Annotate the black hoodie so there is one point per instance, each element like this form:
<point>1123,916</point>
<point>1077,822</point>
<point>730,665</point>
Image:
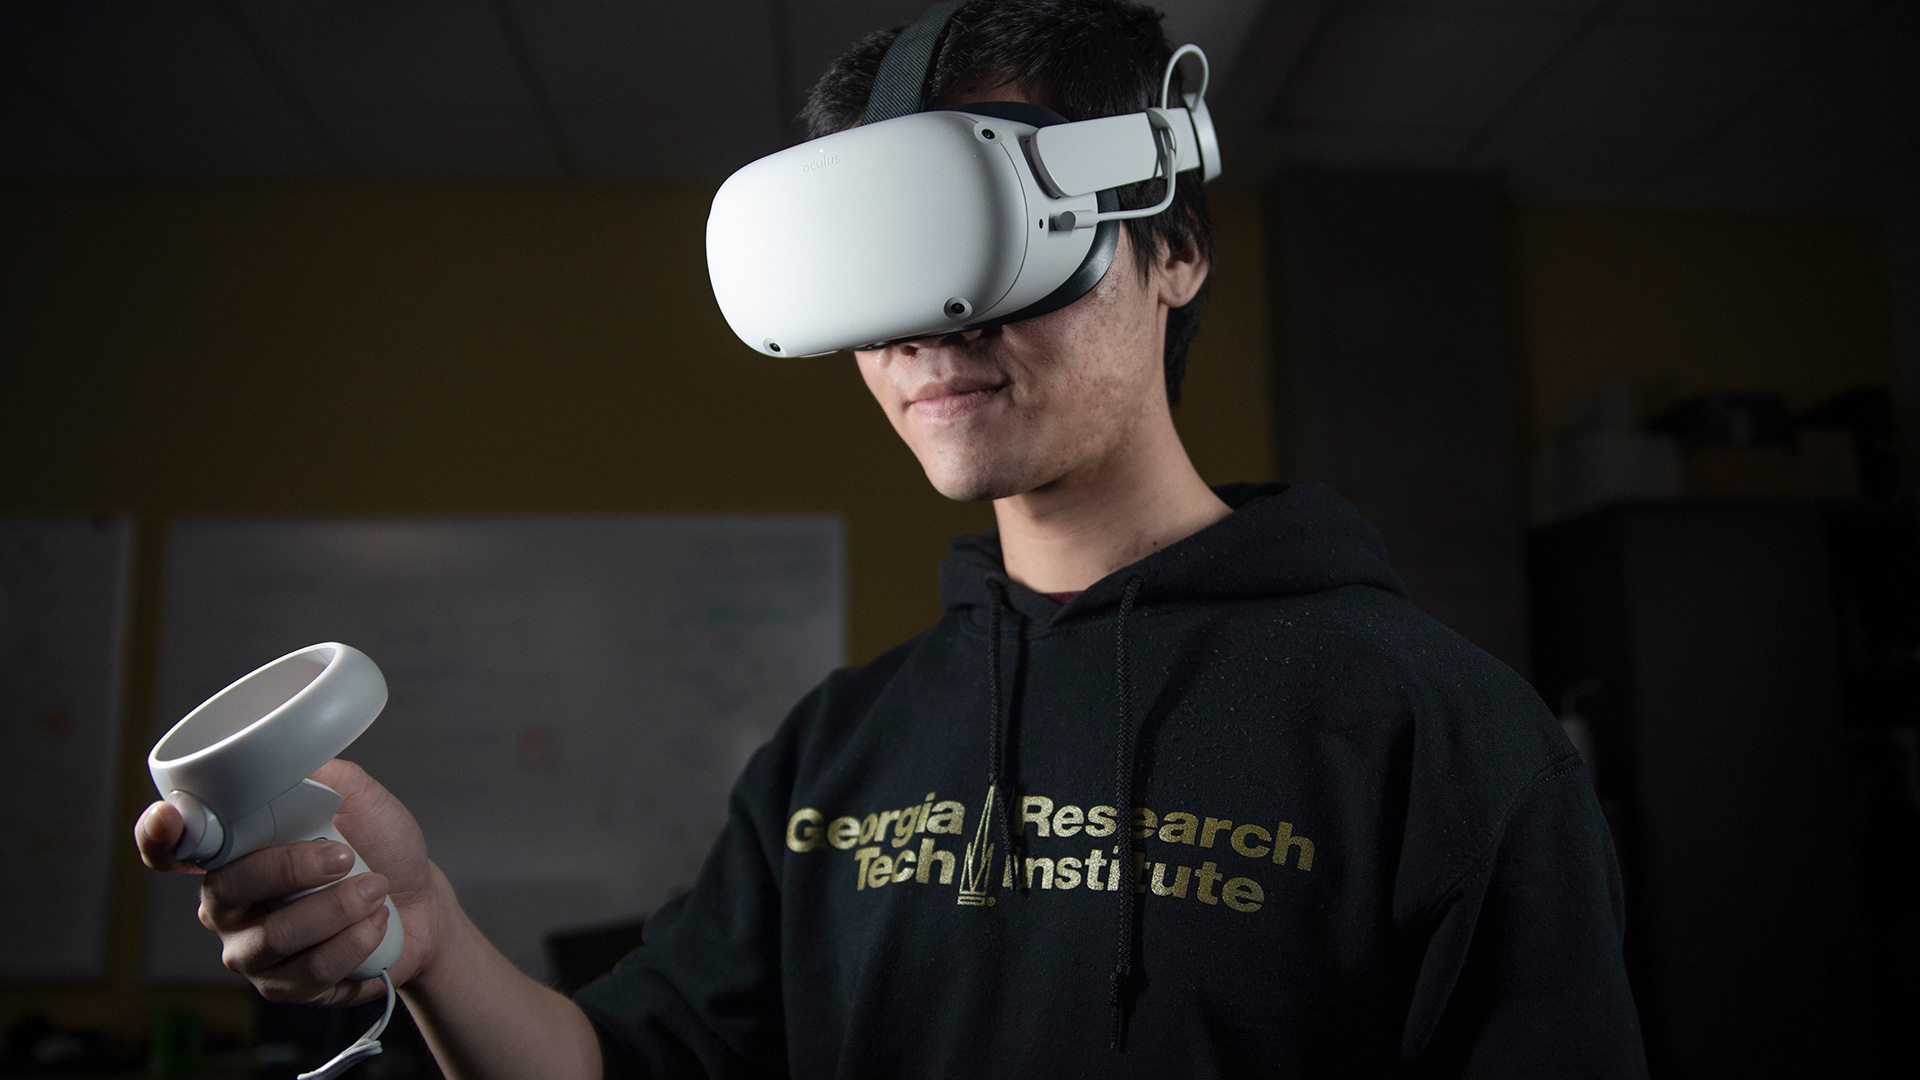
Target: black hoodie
<point>1360,845</point>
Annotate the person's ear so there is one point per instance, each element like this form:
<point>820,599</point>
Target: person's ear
<point>1182,268</point>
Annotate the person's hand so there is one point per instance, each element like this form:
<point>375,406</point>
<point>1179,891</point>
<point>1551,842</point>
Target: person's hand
<point>303,952</point>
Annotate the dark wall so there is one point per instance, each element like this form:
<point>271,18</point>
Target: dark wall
<point>1394,379</point>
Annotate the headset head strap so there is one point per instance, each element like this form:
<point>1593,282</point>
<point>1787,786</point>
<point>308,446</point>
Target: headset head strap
<point>900,85</point>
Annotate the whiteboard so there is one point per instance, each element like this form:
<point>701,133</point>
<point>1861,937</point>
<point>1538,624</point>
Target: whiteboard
<point>571,698</point>
<point>63,598</point>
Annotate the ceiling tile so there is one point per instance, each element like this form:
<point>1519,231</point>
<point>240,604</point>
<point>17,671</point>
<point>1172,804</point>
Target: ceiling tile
<point>1478,8</point>
<point>169,85</point>
<point>1863,85</point>
<point>674,92</point>
<point>1390,66</point>
<point>1219,27</point>
<point>1379,145</point>
<point>39,142</point>
<point>1628,100</point>
<point>1749,180</point>
<point>1888,188</point>
<point>1851,107</point>
<point>1895,15</point>
<point>1775,13</point>
<point>410,88</point>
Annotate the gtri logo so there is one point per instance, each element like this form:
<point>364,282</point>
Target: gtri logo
<point>1172,841</point>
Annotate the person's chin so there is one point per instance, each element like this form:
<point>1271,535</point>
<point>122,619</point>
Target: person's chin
<point>968,478</point>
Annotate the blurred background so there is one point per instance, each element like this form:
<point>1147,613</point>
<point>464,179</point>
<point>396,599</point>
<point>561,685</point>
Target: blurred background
<point>388,321</point>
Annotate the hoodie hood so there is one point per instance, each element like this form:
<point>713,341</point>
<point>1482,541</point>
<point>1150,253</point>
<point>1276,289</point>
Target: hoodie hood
<point>1280,540</point>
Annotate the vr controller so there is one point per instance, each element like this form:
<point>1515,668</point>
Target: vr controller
<point>237,767</point>
<point>941,221</point>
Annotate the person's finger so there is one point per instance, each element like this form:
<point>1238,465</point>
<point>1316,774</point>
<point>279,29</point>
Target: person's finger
<point>316,974</point>
<point>229,893</point>
<point>156,834</point>
<point>378,826</point>
<point>305,923</point>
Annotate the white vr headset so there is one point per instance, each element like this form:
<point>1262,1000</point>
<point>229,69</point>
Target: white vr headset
<point>920,223</point>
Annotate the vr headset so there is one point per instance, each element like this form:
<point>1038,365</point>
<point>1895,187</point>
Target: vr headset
<point>920,223</point>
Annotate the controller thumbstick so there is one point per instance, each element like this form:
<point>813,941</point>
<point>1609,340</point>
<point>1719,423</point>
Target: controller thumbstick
<point>204,834</point>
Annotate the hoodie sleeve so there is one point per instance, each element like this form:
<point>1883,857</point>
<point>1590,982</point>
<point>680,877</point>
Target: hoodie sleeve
<point>1522,975</point>
<point>703,996</point>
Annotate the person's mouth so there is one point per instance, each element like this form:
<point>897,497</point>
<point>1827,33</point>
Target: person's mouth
<point>950,398</point>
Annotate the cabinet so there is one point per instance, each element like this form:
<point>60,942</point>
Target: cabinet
<point>1700,646</point>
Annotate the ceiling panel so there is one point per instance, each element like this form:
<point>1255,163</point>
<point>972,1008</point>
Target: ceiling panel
<point>1777,13</point>
<point>1526,9</point>
<point>1894,15</point>
<point>168,86</point>
<point>1383,66</point>
<point>1744,179</point>
<point>661,92</point>
<point>1863,87</point>
<point>1891,187</point>
<point>39,140</point>
<point>1370,145</point>
<point>1219,27</point>
<point>1633,96</point>
<point>410,88</point>
<point>1852,107</point>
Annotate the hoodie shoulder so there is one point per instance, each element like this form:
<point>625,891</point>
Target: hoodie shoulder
<point>1475,736</point>
<point>1448,670</point>
<point>1443,681</point>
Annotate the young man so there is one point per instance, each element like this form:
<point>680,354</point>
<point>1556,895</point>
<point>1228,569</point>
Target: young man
<point>1180,785</point>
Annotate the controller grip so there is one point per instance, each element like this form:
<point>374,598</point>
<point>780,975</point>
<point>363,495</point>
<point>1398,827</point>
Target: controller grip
<point>387,953</point>
<point>319,802</point>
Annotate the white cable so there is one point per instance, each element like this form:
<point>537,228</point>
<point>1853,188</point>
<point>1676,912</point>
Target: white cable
<point>1189,95</point>
<point>363,1048</point>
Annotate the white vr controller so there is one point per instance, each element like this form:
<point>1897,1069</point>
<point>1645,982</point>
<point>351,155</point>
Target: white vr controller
<point>237,767</point>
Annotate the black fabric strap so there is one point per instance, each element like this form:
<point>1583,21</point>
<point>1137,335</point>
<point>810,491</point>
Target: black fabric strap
<point>902,79</point>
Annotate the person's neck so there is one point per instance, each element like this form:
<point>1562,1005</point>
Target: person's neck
<point>1068,534</point>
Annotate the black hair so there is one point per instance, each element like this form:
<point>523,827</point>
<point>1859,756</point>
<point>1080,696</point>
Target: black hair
<point>1085,58</point>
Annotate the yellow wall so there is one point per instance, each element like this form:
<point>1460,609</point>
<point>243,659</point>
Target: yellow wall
<point>1683,304</point>
<point>458,350</point>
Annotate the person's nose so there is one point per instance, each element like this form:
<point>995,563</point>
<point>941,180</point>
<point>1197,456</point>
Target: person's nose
<point>909,348</point>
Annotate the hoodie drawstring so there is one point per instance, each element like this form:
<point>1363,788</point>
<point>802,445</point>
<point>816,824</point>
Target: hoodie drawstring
<point>1123,805</point>
<point>1129,913</point>
<point>996,737</point>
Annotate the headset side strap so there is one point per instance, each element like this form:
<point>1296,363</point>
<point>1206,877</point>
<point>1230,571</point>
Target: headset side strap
<point>900,85</point>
